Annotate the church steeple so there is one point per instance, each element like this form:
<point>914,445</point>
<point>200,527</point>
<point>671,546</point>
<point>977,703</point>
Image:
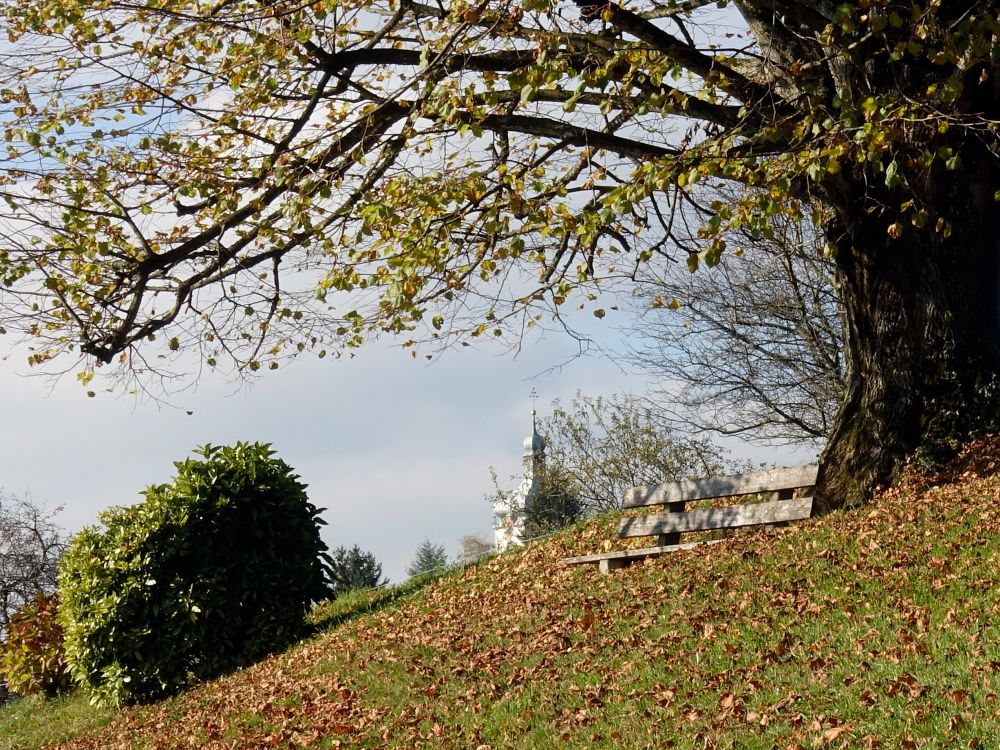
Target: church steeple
<point>534,444</point>
<point>509,517</point>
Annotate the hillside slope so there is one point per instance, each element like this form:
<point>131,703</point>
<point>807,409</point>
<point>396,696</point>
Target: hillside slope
<point>873,628</point>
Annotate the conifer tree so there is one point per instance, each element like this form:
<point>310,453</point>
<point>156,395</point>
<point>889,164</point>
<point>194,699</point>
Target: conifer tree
<point>352,569</point>
<point>429,558</point>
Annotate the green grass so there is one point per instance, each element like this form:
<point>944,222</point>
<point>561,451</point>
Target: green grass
<point>353,604</point>
<point>34,721</point>
<point>878,628</point>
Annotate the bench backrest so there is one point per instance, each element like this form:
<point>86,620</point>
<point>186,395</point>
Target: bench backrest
<point>675,494</point>
<point>687,490</point>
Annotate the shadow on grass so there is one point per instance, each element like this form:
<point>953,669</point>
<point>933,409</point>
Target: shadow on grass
<point>353,604</point>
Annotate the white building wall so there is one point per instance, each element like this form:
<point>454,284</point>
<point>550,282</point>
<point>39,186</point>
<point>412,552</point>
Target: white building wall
<point>508,515</point>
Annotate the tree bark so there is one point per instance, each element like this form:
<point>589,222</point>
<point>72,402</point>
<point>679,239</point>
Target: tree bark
<point>923,325</point>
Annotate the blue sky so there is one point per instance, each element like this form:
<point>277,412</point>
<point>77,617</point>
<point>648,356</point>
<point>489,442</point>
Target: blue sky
<point>396,449</point>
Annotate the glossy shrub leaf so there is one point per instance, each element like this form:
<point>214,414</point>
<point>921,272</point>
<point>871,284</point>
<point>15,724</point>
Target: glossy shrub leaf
<point>208,573</point>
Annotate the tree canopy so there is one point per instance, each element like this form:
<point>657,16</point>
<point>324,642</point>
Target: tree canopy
<point>249,180</point>
<point>598,448</point>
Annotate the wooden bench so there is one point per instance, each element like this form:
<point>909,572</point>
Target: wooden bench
<point>669,526</point>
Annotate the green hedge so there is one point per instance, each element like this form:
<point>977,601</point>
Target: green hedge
<point>208,573</point>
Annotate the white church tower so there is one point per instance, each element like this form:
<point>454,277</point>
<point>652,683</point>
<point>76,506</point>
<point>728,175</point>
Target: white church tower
<point>508,517</point>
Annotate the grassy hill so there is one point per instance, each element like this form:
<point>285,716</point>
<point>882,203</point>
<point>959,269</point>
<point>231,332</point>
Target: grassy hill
<point>876,628</point>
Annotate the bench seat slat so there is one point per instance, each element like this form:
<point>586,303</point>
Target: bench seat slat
<point>713,487</point>
<point>707,519</point>
<point>635,554</point>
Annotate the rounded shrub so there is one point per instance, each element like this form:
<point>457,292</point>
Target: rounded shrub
<point>209,573</point>
<point>31,656</point>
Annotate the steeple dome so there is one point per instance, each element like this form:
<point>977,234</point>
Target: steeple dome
<point>534,444</point>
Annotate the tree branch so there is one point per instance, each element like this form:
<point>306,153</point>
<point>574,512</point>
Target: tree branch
<point>575,135</point>
<point>691,58</point>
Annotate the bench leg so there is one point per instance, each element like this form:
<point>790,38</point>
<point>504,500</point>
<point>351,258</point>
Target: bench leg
<point>615,564</point>
<point>674,537</point>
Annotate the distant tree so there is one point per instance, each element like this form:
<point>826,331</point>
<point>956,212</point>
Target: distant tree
<point>352,569</point>
<point>752,347</point>
<point>556,505</point>
<point>31,544</point>
<point>474,546</point>
<point>597,448</point>
<point>429,557</point>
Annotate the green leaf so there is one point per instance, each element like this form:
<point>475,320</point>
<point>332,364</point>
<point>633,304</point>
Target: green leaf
<point>892,174</point>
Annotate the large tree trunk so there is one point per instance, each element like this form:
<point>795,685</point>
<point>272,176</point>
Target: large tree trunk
<point>923,326</point>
